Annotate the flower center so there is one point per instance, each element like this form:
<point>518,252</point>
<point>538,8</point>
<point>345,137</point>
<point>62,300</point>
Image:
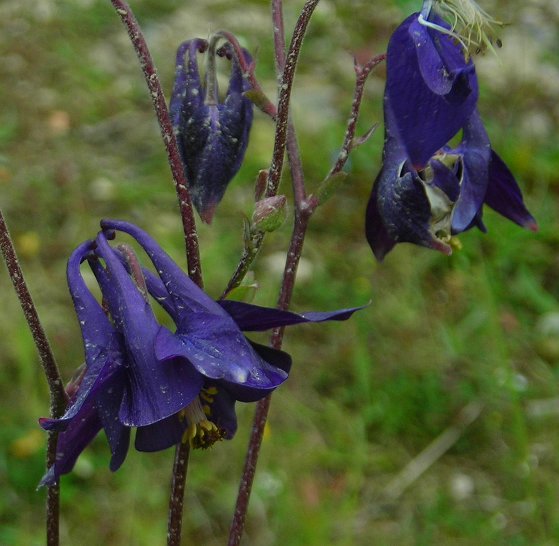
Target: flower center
<point>441,212</point>
<point>201,433</point>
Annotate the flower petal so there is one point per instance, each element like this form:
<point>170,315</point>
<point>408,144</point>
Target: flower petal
<point>379,239</point>
<point>94,324</point>
<point>188,93</point>
<point>159,390</point>
<point>254,318</point>
<point>432,89</point>
<point>476,151</point>
<point>183,291</point>
<point>504,196</point>
<point>118,435</point>
<point>160,435</point>
<point>102,346</point>
<point>222,410</point>
<point>155,391</point>
<point>103,374</point>
<point>220,354</point>
<point>445,179</point>
<point>71,442</point>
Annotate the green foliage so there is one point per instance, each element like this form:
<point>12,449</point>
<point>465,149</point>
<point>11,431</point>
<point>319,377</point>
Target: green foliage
<point>79,142</point>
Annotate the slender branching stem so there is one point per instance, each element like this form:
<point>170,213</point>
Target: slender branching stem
<point>263,406</point>
<point>58,398</point>
<point>180,464</point>
<point>247,479</point>
<point>53,496</point>
<point>293,155</point>
<point>169,138</point>
<point>248,256</point>
<point>361,75</point>
<point>279,34</point>
<point>284,96</point>
<point>285,137</point>
<point>283,132</point>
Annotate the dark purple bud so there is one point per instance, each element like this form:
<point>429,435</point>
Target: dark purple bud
<point>212,135</point>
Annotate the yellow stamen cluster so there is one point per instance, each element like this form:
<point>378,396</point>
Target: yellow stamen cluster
<point>201,433</point>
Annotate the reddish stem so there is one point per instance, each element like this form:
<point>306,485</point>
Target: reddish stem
<point>176,500</point>
<point>361,75</point>
<point>285,136</point>
<point>180,465</point>
<point>284,96</point>
<point>58,397</point>
<point>169,139</point>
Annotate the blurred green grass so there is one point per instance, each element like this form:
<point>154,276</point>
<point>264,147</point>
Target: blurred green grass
<point>78,141</point>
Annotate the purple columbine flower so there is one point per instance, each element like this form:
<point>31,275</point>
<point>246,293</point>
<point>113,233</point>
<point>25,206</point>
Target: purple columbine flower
<point>170,386</point>
<point>209,340</point>
<point>431,87</point>
<point>426,206</point>
<point>212,136</point>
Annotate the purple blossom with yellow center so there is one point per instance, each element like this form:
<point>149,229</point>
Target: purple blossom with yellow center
<point>428,190</point>
<point>171,386</point>
<point>427,206</point>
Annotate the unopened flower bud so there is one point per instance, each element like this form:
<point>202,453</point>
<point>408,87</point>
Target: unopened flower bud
<point>212,135</point>
<point>269,214</point>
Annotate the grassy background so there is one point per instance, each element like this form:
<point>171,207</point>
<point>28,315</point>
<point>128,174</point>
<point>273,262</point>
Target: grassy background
<point>479,330</point>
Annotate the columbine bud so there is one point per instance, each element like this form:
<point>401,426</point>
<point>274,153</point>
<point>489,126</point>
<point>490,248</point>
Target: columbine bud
<point>212,136</point>
<point>269,214</point>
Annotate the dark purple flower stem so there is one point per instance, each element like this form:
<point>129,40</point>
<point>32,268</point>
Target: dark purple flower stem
<point>285,137</point>
<point>180,464</point>
<point>263,406</point>
<point>293,155</point>
<point>58,398</point>
<point>284,96</point>
<point>176,500</point>
<point>169,139</point>
<point>304,209</point>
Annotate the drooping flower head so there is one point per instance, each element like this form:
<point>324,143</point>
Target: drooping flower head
<point>212,135</point>
<point>427,206</point>
<point>171,386</point>
<point>427,190</point>
<point>208,334</point>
